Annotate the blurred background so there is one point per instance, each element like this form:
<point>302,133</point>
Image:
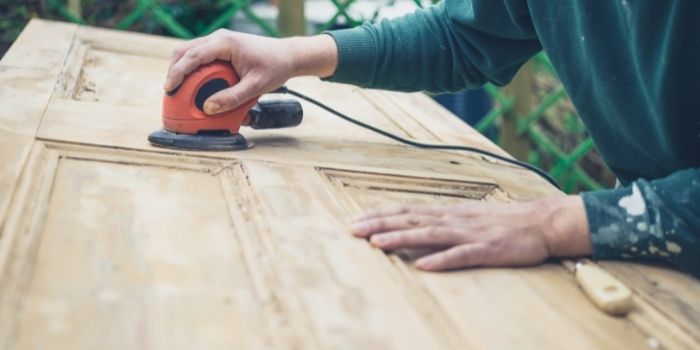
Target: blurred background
<point>532,118</point>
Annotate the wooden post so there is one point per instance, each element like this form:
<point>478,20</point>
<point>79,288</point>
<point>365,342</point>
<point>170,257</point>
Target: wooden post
<point>290,19</point>
<point>521,89</point>
<point>75,7</point>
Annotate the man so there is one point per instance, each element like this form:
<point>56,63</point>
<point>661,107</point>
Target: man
<point>631,67</point>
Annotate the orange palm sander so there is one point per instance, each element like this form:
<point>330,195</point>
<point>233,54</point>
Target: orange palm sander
<point>186,126</point>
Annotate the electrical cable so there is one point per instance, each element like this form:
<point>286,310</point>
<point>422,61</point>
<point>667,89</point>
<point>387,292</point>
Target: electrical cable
<point>417,144</point>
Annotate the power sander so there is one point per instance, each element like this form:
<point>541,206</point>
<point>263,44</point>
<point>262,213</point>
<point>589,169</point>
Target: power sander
<point>186,126</point>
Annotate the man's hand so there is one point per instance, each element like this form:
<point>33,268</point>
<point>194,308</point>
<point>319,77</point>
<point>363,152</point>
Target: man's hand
<point>263,64</point>
<point>482,234</point>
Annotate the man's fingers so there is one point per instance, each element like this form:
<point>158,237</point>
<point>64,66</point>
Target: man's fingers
<point>467,255</point>
<point>228,99</point>
<point>176,56</point>
<point>180,51</point>
<point>368,227</point>
<point>421,210</point>
<point>204,53</point>
<point>424,237</point>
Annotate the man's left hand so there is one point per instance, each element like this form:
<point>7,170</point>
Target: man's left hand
<point>482,234</point>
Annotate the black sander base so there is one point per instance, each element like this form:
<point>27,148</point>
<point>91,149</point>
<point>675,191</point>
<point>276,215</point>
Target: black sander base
<point>204,141</point>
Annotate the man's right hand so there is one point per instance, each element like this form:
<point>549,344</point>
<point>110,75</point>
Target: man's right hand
<point>263,63</point>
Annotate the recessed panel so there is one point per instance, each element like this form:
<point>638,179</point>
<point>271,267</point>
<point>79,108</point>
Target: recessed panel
<point>138,256</point>
<point>370,190</point>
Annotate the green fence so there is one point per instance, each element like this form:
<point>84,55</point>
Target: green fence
<point>550,128</point>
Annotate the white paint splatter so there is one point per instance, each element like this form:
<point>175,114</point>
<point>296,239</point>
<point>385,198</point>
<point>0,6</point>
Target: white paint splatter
<point>673,247</point>
<point>653,249</point>
<point>655,230</point>
<point>609,234</point>
<point>634,203</point>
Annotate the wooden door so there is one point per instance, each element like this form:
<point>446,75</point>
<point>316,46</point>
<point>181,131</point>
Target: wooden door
<point>109,243</point>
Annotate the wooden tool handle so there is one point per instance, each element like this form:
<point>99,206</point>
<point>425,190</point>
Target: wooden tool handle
<point>609,294</point>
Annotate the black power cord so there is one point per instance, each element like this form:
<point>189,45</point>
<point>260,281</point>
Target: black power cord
<point>398,138</point>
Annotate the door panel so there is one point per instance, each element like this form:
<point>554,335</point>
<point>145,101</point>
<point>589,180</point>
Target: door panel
<point>320,272</point>
<point>144,245</point>
<point>149,250</point>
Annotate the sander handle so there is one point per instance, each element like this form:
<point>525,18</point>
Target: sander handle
<point>276,114</point>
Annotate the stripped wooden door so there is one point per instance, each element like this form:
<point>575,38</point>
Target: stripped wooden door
<point>109,243</point>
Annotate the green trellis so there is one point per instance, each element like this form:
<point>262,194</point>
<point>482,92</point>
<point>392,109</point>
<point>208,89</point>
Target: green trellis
<point>547,152</point>
<point>164,18</point>
<point>564,167</point>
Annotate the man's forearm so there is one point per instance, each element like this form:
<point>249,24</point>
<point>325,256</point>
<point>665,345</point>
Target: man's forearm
<point>316,55</point>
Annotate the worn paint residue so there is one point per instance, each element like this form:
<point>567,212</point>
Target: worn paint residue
<point>634,203</point>
<point>673,247</point>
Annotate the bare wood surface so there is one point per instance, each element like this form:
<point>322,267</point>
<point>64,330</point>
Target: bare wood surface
<point>108,242</point>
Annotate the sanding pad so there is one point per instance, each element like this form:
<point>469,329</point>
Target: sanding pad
<point>209,141</point>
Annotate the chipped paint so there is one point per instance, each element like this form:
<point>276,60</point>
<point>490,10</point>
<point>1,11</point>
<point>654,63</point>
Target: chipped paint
<point>653,249</point>
<point>609,234</point>
<point>673,247</point>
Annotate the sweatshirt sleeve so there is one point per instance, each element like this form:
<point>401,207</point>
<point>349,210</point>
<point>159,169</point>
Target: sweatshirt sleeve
<point>454,45</point>
<point>657,220</point>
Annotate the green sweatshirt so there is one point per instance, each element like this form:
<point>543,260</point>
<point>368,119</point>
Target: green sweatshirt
<point>631,68</point>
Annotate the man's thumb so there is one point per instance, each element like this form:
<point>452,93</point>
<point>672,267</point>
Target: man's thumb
<point>232,97</point>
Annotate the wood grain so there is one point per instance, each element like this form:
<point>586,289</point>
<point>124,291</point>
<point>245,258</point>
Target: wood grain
<point>126,254</point>
<point>42,45</point>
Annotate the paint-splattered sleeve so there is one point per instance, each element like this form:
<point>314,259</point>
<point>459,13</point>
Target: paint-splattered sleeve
<point>657,219</point>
